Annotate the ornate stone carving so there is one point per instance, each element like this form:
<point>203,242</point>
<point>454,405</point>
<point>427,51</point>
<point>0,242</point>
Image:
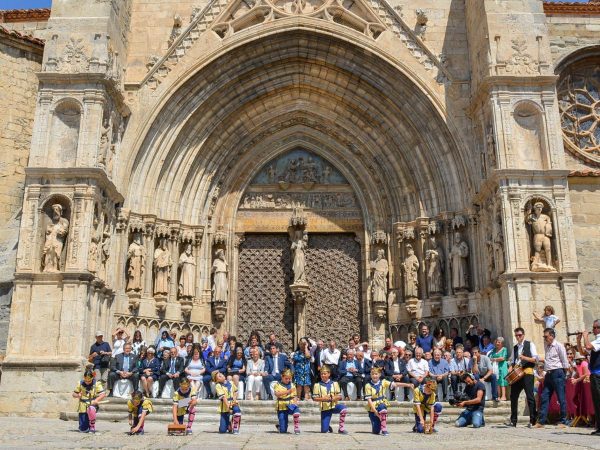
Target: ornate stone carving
<point>104,251</point>
<point>220,288</point>
<point>176,30</point>
<point>434,257</point>
<point>105,142</point>
<point>94,252</point>
<point>379,288</point>
<point>410,267</point>
<point>299,245</point>
<point>491,149</point>
<point>56,233</point>
<point>162,265</point>
<point>122,218</point>
<point>541,232</point>
<point>136,256</point>
<point>459,263</point>
<point>379,237</point>
<point>187,277</point>
<point>220,237</point>
<point>520,62</point>
<point>421,26</point>
<point>458,222</point>
<point>74,57</point>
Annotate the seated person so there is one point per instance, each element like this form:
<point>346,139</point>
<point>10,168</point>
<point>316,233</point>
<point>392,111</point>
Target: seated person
<point>473,413</point>
<point>124,367</point>
<point>351,373</point>
<point>418,368</point>
<point>214,363</point>
<point>458,366</point>
<point>481,366</point>
<point>395,372</point>
<point>439,370</point>
<point>172,369</point>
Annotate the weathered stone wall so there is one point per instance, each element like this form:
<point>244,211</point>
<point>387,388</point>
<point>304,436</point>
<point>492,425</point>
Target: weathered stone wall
<point>18,89</point>
<point>585,201</point>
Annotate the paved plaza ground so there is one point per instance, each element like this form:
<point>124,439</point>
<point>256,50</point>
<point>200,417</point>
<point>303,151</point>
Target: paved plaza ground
<point>17,433</point>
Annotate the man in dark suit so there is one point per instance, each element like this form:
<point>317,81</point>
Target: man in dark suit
<point>316,365</point>
<point>395,371</point>
<point>214,362</point>
<point>124,367</point>
<point>352,371</point>
<point>171,369</point>
<point>275,363</point>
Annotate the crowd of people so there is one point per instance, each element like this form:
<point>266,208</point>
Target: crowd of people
<point>228,370</point>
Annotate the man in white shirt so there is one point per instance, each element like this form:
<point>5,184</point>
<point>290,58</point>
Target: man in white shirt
<point>418,368</point>
<point>524,355</point>
<point>331,357</point>
<point>212,338</point>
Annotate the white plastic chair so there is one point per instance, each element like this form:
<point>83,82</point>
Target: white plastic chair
<point>122,388</point>
<point>168,390</point>
<point>351,391</point>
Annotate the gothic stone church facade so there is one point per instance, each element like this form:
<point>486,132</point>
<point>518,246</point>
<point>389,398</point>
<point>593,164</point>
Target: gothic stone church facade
<point>311,168</point>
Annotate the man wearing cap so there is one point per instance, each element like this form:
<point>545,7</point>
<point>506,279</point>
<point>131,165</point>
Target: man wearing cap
<point>100,353</point>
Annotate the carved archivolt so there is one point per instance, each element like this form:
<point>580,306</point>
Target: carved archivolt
<point>244,14</point>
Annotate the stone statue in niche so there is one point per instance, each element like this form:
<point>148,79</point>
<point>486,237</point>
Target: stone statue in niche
<point>105,251</point>
<point>541,230</point>
<point>271,174</point>
<point>94,252</point>
<point>56,233</point>
<point>136,255</point>
<point>299,261</point>
<point>105,141</point>
<point>379,269</point>
<point>491,149</point>
<point>162,268</point>
<point>187,279</point>
<point>410,267</point>
<point>326,174</point>
<point>219,270</point>
<point>435,269</point>
<point>459,263</point>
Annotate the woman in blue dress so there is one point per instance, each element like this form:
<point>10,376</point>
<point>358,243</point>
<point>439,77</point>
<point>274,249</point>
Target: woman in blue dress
<point>236,368</point>
<point>301,359</point>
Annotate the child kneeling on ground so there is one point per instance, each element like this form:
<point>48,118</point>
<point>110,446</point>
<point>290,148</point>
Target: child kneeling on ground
<point>139,408</point>
<point>90,393</point>
<point>228,405</point>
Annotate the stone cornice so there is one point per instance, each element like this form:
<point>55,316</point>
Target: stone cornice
<point>585,173</point>
<point>76,173</point>
<point>572,8</point>
<point>25,15</point>
<point>25,41</point>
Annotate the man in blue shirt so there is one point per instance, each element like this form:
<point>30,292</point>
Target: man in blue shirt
<point>473,412</point>
<point>425,340</point>
<point>439,370</point>
<point>100,354</point>
<point>351,373</point>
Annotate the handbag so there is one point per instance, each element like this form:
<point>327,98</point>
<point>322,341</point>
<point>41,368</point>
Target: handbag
<point>495,368</point>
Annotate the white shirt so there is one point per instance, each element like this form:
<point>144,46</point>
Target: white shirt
<point>182,351</point>
<point>418,368</point>
<point>397,366</point>
<point>276,363</point>
<point>596,343</point>
<point>531,348</point>
<point>212,342</point>
<point>330,357</point>
<point>118,347</point>
<point>137,346</point>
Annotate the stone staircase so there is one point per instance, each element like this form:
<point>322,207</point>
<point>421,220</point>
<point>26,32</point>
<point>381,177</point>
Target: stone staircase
<point>263,412</point>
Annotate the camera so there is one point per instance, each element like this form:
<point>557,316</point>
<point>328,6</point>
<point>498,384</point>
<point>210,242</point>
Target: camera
<point>460,397</point>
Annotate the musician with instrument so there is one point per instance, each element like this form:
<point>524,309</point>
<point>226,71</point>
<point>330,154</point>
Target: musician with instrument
<point>231,414</point>
<point>286,402</point>
<point>90,393</point>
<point>592,348</point>
<point>520,377</point>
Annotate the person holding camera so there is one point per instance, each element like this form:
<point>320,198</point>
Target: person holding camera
<point>473,400</point>
<point>592,348</point>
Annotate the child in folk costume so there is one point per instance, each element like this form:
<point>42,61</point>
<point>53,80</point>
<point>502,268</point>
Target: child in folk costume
<point>139,408</point>
<point>328,394</point>
<point>286,402</point>
<point>228,405</point>
<point>184,402</point>
<point>423,402</point>
<point>90,393</point>
<point>376,392</point>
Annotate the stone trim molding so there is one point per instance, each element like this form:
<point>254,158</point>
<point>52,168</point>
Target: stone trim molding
<point>24,15</point>
<point>572,8</point>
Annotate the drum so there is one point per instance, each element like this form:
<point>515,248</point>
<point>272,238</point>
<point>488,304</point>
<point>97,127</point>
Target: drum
<point>515,375</point>
<point>427,428</point>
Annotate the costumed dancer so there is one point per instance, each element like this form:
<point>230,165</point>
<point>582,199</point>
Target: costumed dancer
<point>184,402</point>
<point>376,392</point>
<point>90,393</point>
<point>424,399</point>
<point>286,402</point>
<point>228,405</point>
<point>328,394</point>
<point>139,408</point>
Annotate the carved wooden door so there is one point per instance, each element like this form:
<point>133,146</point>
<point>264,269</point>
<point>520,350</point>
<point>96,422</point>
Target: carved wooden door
<point>333,308</point>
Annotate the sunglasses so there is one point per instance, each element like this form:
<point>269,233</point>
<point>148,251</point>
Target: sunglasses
<point>519,335</point>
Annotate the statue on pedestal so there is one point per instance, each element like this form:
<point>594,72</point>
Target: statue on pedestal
<point>187,279</point>
<point>459,263</point>
<point>299,259</point>
<point>541,229</point>
<point>105,251</point>
<point>410,266</point>
<point>162,268</point>
<point>219,270</point>
<point>379,269</point>
<point>435,271</point>
<point>136,255</point>
<point>56,233</point>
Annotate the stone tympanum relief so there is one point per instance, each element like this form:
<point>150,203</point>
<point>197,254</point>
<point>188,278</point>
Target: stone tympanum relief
<point>162,268</point>
<point>410,267</point>
<point>187,277</point>
<point>459,263</point>
<point>540,226</point>
<point>434,257</point>
<point>220,291</point>
<point>56,234</point>
<point>136,264</point>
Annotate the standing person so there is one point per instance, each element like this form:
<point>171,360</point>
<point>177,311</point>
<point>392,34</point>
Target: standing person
<point>100,354</point>
<point>316,364</point>
<point>90,393</point>
<point>555,365</point>
<point>273,340</point>
<point>184,402</point>
<point>475,406</point>
<point>592,348</point>
<point>524,355</point>
<point>229,409</point>
<point>499,356</point>
<point>425,402</point>
<point>139,408</point>
<point>376,392</point>
<point>456,339</point>
<point>120,337</point>
<point>286,402</point>
<point>549,319</point>
<point>327,393</point>
<point>425,340</point>
<point>212,338</point>
<point>182,348</point>
<point>137,342</point>
<point>164,341</point>
<point>331,357</point>
<point>302,360</point>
